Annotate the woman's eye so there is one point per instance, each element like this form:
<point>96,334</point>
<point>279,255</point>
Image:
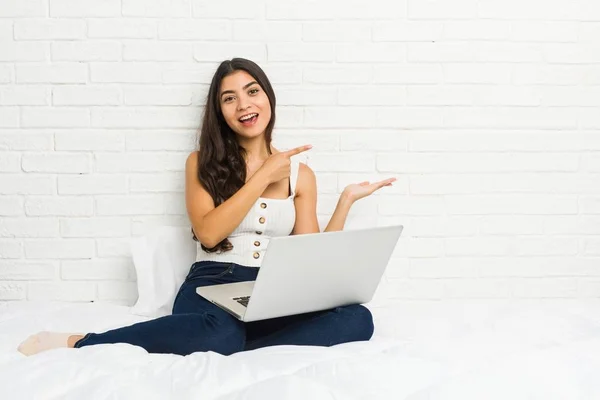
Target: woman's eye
<point>252,91</point>
<point>226,99</point>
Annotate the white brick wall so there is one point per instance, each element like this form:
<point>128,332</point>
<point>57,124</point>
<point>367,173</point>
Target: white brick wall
<point>486,112</point>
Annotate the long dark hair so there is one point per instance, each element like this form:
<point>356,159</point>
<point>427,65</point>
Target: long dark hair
<point>221,165</point>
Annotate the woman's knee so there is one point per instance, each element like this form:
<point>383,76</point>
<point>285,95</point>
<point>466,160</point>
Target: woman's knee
<point>225,336</point>
<point>358,320</point>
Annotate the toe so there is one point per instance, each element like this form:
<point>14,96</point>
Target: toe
<point>30,345</point>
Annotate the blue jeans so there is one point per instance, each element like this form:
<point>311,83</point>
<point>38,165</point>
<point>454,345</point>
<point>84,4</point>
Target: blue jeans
<point>198,325</point>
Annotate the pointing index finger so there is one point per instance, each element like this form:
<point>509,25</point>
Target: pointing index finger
<point>298,150</point>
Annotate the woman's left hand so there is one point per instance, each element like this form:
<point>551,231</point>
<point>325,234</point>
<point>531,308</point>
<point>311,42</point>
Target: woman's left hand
<point>357,191</point>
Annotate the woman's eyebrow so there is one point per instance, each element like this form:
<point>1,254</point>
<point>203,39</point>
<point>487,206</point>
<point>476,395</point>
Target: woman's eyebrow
<point>246,86</point>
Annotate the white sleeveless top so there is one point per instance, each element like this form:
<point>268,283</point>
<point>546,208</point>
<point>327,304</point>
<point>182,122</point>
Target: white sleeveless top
<point>266,219</point>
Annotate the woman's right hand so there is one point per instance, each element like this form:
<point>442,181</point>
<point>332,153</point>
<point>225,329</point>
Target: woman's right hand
<point>278,165</point>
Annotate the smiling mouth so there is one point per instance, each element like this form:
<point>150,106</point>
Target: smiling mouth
<point>249,119</point>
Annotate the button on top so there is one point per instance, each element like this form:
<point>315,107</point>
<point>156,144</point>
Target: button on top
<point>263,205</point>
<point>256,254</point>
<point>261,220</point>
<point>257,243</point>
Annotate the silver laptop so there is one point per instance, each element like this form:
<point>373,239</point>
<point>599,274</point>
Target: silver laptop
<point>310,272</point>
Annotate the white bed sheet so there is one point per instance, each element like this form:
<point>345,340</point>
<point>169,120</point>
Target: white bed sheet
<point>526,349</point>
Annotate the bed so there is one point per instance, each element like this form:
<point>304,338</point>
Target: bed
<point>477,349</point>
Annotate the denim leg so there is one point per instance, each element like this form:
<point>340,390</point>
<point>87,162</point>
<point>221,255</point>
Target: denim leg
<point>181,334</point>
<point>322,328</point>
<point>195,325</point>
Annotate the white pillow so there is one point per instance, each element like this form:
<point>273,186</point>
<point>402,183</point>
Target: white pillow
<point>162,259</point>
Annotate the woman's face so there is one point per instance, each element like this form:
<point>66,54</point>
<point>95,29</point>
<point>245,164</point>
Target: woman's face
<point>244,104</point>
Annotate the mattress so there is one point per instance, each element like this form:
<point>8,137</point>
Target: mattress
<point>504,349</point>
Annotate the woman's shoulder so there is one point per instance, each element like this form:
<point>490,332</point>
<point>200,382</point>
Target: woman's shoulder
<point>304,169</point>
<point>192,160</point>
<point>193,156</point>
<point>307,180</point>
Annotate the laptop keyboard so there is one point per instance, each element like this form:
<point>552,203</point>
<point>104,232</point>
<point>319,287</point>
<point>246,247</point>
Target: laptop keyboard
<point>242,300</point>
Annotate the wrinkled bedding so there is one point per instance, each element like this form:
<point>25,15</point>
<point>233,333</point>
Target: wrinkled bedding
<point>476,349</point>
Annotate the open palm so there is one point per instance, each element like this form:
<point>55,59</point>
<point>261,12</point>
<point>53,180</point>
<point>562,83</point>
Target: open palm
<point>356,191</point>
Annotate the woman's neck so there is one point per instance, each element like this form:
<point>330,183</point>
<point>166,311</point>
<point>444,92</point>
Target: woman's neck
<point>256,151</point>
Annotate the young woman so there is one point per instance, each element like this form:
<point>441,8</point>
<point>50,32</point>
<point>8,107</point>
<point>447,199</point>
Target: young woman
<point>240,191</point>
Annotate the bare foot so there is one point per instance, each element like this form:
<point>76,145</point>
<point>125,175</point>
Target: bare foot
<point>43,341</point>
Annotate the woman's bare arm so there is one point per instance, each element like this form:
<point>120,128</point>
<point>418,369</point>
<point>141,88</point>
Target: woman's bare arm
<point>213,224</point>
